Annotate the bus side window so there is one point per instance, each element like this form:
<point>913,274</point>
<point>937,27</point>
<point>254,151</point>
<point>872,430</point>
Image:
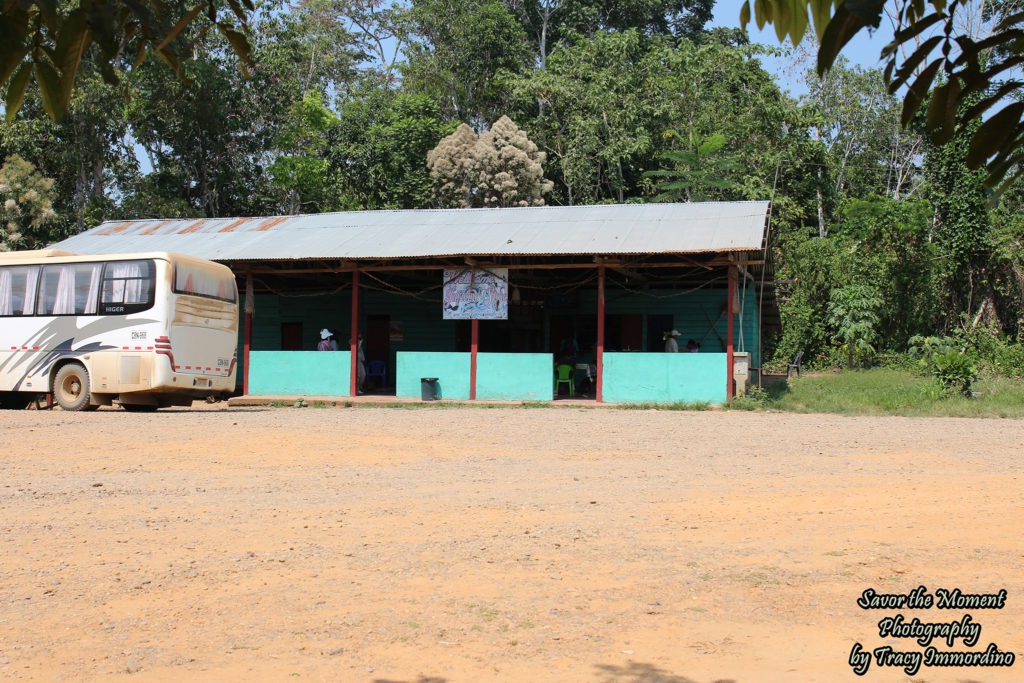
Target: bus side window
<point>18,290</point>
<point>70,289</point>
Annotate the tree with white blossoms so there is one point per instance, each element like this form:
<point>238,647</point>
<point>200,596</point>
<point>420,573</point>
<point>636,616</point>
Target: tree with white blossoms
<point>25,205</point>
<point>501,167</point>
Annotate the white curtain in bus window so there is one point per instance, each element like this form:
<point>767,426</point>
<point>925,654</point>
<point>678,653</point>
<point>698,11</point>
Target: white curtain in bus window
<point>70,289</point>
<point>125,283</point>
<point>6,292</point>
<point>189,279</point>
<point>18,290</point>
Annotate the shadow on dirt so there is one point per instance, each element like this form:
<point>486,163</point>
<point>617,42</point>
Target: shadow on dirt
<point>640,672</point>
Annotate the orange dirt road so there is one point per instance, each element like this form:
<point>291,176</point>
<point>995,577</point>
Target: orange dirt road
<point>504,544</point>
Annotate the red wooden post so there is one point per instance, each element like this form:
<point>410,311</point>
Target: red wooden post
<point>250,306</point>
<point>729,341</point>
<point>245,351</point>
<point>473,345</point>
<point>353,382</point>
<point>600,333</point>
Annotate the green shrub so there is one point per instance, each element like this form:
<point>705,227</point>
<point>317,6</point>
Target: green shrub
<point>955,372</point>
<point>755,399</point>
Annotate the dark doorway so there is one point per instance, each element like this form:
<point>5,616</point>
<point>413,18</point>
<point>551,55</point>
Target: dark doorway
<point>631,335</point>
<point>291,337</point>
<point>657,326</point>
<point>377,347</point>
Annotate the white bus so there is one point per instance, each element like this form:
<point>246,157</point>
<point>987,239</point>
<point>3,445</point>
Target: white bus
<point>145,330</point>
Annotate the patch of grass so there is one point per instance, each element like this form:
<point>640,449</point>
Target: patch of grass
<point>884,391</point>
<point>678,405</point>
<point>410,405</point>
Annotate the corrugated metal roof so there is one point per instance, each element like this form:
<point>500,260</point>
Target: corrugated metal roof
<point>545,230</point>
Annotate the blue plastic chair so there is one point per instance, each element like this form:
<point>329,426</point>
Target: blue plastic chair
<point>378,368</point>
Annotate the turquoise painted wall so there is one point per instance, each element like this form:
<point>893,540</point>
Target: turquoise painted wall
<point>515,376</point>
<point>499,376</point>
<point>425,331</point>
<point>299,373</point>
<point>450,369</point>
<point>664,377</point>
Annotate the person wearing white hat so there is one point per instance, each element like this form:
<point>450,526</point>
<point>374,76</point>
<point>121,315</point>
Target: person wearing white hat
<point>671,344</point>
<point>325,341</point>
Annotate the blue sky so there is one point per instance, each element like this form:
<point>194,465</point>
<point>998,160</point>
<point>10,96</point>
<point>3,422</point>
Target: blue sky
<point>863,50</point>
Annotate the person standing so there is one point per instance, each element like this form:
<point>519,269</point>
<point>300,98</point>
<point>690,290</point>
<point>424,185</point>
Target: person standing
<point>325,341</point>
<point>360,364</point>
<point>672,343</point>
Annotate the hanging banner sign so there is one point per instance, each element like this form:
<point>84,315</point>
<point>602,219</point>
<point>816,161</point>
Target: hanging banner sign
<point>475,294</point>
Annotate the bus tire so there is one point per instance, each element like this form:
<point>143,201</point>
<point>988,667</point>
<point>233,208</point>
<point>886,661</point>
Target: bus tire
<point>71,388</point>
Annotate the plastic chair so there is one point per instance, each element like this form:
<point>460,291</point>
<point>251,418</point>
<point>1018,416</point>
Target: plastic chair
<point>563,375</point>
<point>795,365</point>
<point>377,368</point>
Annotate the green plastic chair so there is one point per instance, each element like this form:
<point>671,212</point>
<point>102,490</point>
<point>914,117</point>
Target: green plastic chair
<point>563,375</point>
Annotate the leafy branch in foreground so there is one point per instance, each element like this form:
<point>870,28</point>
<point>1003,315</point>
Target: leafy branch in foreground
<point>41,39</point>
<point>935,41</point>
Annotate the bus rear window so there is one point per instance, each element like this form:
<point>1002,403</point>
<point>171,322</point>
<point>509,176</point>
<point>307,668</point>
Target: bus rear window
<point>18,290</point>
<point>199,281</point>
<point>127,287</point>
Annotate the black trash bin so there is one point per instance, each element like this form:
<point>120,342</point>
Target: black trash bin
<point>428,389</point>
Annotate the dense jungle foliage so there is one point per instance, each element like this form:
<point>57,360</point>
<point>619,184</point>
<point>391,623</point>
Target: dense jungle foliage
<point>881,241</point>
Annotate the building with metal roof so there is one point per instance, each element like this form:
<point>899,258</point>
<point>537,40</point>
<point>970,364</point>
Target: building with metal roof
<point>601,288</point>
<point>693,228</point>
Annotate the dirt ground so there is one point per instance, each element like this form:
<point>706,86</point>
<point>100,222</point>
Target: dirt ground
<point>508,544</point>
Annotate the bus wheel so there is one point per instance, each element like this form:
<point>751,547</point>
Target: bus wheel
<point>71,388</point>
<point>139,408</point>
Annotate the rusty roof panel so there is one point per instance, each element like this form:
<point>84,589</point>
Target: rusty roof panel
<point>230,227</point>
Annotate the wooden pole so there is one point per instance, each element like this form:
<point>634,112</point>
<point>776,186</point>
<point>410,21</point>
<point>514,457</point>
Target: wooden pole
<point>245,352</point>
<point>473,346</point>
<point>250,306</point>
<point>599,396</point>
<point>353,382</point>
<point>729,335</point>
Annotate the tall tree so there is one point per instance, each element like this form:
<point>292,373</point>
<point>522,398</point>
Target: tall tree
<point>379,148</point>
<point>457,50</point>
<point>26,208</point>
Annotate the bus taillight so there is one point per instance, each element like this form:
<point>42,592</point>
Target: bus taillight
<point>163,348</point>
